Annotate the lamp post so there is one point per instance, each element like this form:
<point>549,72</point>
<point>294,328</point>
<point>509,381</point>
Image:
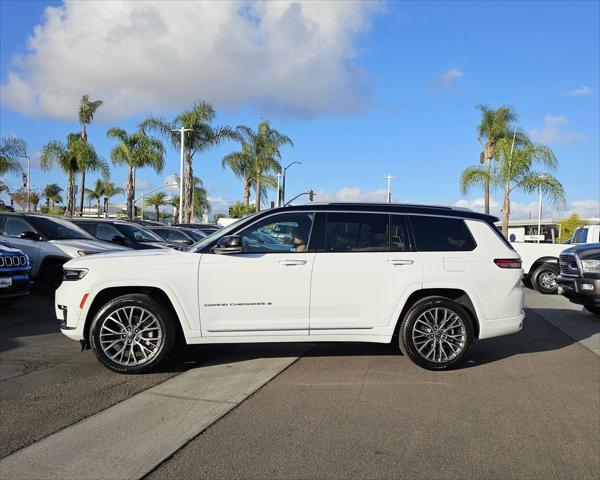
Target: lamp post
<point>28,180</point>
<point>182,130</point>
<point>389,188</point>
<point>282,202</point>
<point>278,204</point>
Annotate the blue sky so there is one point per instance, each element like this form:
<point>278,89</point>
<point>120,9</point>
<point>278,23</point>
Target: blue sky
<point>392,88</point>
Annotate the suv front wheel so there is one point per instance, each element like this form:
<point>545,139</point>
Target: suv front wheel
<point>132,333</point>
<point>436,333</point>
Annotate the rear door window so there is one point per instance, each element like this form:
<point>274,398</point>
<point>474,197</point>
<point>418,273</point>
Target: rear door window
<point>399,241</point>
<point>441,234</point>
<point>357,232</point>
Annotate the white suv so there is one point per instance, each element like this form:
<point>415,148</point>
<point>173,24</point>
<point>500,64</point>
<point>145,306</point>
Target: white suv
<point>435,278</point>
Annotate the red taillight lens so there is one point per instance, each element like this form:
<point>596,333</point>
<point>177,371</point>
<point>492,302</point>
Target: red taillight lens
<point>508,262</point>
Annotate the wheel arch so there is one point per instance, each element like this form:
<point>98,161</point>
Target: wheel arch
<point>540,261</point>
<point>458,295</point>
<point>106,294</point>
<point>50,260</point>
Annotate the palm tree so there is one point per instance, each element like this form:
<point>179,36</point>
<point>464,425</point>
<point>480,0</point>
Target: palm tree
<point>159,199</point>
<point>87,109</point>
<point>108,192</point>
<point>64,156</point>
<point>240,163</point>
<point>97,193</point>
<point>11,149</point>
<point>263,148</point>
<point>201,203</point>
<point>200,137</point>
<point>514,172</point>
<point>137,150</point>
<point>51,193</point>
<point>174,202</point>
<point>495,125</point>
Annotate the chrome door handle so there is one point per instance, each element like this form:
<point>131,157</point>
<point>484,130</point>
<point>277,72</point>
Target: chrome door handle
<point>292,262</point>
<point>400,262</point>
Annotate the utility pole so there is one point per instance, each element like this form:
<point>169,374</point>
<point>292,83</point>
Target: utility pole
<point>539,232</point>
<point>182,130</point>
<point>389,188</point>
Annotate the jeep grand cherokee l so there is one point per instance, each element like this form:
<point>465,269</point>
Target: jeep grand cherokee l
<point>432,279</point>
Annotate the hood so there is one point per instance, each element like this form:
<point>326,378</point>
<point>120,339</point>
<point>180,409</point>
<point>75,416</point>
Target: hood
<point>71,247</point>
<point>6,250</point>
<point>585,251</point>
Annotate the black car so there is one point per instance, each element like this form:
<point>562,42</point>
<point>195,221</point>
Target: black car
<point>205,228</point>
<point>14,275</point>
<point>579,278</point>
<point>178,235</point>
<point>122,233</point>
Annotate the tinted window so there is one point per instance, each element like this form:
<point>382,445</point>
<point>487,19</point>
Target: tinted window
<point>357,232</point>
<point>580,235</point>
<point>87,226</point>
<point>282,233</point>
<point>58,229</point>
<point>14,227</point>
<point>107,232</point>
<point>177,236</point>
<point>440,234</point>
<point>161,232</point>
<point>135,233</point>
<point>399,234</point>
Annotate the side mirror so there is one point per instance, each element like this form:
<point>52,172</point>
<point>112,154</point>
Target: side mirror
<point>119,239</point>
<point>228,245</point>
<point>29,235</point>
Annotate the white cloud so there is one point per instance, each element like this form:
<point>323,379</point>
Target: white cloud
<point>576,92</point>
<point>522,211</point>
<point>350,194</point>
<point>551,132</point>
<point>288,57</point>
<point>446,82</point>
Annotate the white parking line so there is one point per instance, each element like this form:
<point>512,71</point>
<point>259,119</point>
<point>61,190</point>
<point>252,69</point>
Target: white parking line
<point>129,439</point>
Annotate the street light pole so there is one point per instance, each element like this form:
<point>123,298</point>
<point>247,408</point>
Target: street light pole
<point>278,190</point>
<point>284,174</point>
<point>389,188</point>
<point>182,130</point>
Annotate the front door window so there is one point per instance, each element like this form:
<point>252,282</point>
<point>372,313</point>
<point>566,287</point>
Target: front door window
<point>288,233</point>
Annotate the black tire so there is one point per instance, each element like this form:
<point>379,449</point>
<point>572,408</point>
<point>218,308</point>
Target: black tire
<point>541,276</point>
<point>592,309</point>
<point>527,282</point>
<point>137,302</point>
<point>52,276</point>
<point>407,342</point>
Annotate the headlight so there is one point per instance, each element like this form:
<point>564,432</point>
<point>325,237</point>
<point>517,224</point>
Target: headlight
<point>83,253</point>
<point>74,273</point>
<point>591,266</point>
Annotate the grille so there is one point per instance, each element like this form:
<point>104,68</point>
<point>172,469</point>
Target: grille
<point>568,265</point>
<point>13,261</point>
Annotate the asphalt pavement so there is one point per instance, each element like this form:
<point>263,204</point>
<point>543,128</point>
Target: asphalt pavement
<point>522,406</point>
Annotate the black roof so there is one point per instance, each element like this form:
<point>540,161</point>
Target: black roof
<point>393,208</point>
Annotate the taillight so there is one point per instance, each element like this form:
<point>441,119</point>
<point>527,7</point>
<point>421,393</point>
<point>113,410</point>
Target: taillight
<point>508,262</point>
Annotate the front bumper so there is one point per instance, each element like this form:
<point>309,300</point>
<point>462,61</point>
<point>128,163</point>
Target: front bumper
<point>583,291</point>
<point>19,283</point>
<point>68,307</point>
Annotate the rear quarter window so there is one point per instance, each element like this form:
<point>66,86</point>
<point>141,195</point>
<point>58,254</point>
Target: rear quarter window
<point>441,234</point>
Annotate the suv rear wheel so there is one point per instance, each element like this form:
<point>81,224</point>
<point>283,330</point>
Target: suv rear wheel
<point>436,333</point>
<point>132,334</point>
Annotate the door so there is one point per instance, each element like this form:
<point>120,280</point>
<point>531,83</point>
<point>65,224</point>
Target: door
<point>266,289</point>
<point>12,230</point>
<point>364,270</point>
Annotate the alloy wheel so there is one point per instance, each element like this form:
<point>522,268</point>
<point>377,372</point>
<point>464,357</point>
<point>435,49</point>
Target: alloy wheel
<point>439,335</point>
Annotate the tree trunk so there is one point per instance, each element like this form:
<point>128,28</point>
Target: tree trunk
<point>187,190</point>
<point>156,213</point>
<point>505,211</point>
<point>246,191</point>
<point>130,193</point>
<point>82,193</point>
<point>48,203</point>
<point>176,214</point>
<point>70,191</point>
<point>258,193</point>
<point>105,207</point>
<point>98,207</point>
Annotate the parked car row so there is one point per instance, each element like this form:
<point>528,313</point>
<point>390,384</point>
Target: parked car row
<point>14,275</point>
<point>48,242</point>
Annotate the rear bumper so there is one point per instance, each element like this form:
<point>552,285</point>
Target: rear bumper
<point>501,326</point>
<point>583,291</point>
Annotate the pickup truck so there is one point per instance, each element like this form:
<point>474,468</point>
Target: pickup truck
<point>579,279</point>
<point>586,234</point>
<point>540,264</point>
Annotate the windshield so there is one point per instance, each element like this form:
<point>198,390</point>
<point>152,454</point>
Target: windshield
<point>135,233</point>
<point>202,244</point>
<point>58,229</point>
